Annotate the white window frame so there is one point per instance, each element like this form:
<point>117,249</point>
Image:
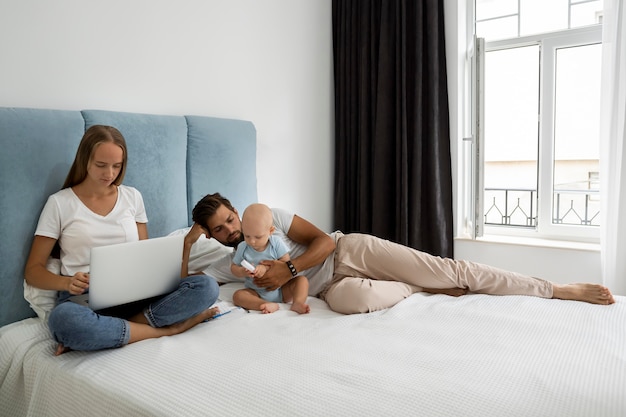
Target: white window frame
<point>548,44</point>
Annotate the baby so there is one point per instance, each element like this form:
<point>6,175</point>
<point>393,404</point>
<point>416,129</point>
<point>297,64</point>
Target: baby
<point>259,244</point>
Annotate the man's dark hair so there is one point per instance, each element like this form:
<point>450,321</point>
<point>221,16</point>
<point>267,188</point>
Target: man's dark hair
<point>207,207</point>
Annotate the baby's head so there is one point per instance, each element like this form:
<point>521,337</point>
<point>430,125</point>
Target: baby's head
<point>257,225</point>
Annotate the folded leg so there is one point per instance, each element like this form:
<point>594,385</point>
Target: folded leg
<point>367,256</point>
<point>352,295</point>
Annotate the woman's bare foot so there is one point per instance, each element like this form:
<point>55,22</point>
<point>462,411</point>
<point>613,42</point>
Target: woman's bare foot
<point>61,350</point>
<point>300,308</point>
<point>454,292</point>
<point>267,308</point>
<point>183,326</point>
<point>589,293</point>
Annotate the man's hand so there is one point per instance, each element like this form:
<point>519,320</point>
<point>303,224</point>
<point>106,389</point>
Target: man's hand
<point>191,237</point>
<point>277,275</point>
<point>194,234</point>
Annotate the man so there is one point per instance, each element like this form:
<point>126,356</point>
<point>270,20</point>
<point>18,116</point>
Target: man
<point>358,273</point>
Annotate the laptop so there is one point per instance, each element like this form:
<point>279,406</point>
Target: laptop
<point>127,272</point>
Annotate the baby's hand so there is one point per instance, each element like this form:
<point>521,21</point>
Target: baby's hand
<point>260,270</point>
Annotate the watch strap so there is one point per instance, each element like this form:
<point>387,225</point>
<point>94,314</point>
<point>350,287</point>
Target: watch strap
<point>292,268</point>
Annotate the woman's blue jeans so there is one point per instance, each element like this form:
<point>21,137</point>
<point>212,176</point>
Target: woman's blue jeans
<point>79,328</point>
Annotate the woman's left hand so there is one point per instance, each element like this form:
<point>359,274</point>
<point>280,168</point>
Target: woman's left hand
<point>78,283</point>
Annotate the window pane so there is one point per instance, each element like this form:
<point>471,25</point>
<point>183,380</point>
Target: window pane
<point>511,134</point>
<point>539,16</point>
<point>576,135</point>
<point>488,9</point>
<point>498,19</point>
<point>586,14</point>
<point>503,28</point>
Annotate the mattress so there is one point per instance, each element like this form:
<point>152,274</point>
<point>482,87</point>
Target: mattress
<point>430,355</point>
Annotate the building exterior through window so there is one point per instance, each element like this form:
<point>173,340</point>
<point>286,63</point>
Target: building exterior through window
<point>537,102</point>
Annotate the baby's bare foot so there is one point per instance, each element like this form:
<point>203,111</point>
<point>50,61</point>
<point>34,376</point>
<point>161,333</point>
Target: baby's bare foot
<point>300,308</point>
<point>590,293</point>
<point>267,308</point>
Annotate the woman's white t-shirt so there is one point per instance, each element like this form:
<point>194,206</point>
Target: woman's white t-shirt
<point>78,229</point>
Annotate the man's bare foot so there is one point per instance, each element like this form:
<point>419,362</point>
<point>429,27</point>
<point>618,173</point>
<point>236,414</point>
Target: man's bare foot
<point>300,308</point>
<point>589,293</point>
<point>267,308</point>
<point>454,292</point>
<point>61,350</point>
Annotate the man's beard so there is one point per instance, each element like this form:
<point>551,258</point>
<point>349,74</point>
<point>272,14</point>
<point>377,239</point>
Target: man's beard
<point>234,240</point>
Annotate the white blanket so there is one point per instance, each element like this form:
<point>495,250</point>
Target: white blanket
<point>430,355</point>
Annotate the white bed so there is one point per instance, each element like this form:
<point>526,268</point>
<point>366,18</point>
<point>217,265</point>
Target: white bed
<point>430,355</point>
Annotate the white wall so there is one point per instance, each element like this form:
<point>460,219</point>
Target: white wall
<point>541,259</point>
<point>266,61</point>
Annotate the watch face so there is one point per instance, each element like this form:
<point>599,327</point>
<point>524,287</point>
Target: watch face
<point>292,268</point>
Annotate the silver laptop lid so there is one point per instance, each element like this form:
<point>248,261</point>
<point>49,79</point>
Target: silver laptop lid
<point>133,271</point>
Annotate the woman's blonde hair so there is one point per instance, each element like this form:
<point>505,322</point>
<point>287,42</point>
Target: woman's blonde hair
<point>93,137</point>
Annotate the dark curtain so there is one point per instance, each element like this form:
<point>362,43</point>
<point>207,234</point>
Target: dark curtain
<point>392,141</point>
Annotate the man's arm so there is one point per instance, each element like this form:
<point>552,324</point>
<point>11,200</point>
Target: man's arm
<point>190,238</point>
<point>319,246</point>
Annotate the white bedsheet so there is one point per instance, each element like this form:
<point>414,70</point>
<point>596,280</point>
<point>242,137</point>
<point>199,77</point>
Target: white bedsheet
<point>430,355</point>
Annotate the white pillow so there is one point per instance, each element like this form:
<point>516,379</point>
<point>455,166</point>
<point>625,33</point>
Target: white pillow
<point>43,301</point>
<point>204,252</point>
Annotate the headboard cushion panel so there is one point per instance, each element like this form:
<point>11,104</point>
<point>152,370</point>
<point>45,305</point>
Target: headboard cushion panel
<point>157,154</point>
<point>38,148</point>
<point>219,155</point>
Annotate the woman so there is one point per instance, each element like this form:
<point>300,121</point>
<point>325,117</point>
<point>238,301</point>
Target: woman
<point>95,209</point>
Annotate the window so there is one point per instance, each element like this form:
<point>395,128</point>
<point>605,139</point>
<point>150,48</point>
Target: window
<point>536,107</point>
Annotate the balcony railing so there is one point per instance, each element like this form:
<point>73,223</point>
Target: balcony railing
<point>517,207</point>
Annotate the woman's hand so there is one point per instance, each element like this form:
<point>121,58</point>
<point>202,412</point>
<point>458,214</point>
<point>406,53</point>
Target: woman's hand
<point>79,283</point>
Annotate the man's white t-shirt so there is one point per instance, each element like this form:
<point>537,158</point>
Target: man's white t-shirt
<point>319,276</point>
<point>78,229</point>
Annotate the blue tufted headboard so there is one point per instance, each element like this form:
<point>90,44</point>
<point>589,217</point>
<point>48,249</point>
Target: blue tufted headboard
<point>173,161</point>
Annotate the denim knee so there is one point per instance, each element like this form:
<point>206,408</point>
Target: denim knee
<point>58,316</point>
<point>205,291</point>
<point>202,292</point>
<point>79,328</point>
<point>194,294</point>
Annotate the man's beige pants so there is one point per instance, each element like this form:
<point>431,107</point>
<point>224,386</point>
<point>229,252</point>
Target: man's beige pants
<point>372,274</point>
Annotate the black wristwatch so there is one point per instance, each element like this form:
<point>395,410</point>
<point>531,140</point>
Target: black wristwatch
<point>292,268</point>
